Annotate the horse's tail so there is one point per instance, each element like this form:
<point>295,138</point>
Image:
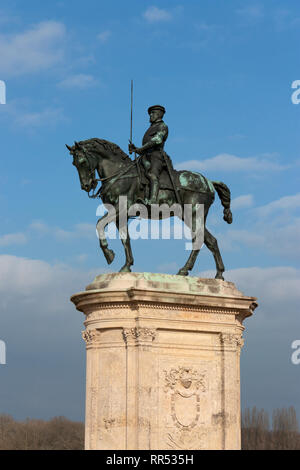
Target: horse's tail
<point>224,194</point>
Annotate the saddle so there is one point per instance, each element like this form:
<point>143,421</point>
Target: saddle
<point>183,180</point>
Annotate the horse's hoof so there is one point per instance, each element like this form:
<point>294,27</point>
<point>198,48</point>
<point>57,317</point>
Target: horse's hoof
<point>125,269</point>
<point>109,255</point>
<point>219,276</point>
<point>182,272</point>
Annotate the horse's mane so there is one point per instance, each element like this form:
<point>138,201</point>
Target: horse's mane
<point>92,146</point>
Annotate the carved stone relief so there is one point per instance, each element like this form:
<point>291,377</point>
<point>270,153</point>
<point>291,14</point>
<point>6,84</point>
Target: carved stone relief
<point>183,386</point>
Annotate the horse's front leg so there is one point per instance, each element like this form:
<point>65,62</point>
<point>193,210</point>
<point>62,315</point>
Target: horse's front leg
<point>100,227</point>
<point>124,235</point>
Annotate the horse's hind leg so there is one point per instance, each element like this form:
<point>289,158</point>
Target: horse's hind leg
<point>192,224</point>
<point>189,264</point>
<point>212,245</point>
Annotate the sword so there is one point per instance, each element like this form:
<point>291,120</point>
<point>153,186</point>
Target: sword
<point>131,108</point>
<point>131,95</point>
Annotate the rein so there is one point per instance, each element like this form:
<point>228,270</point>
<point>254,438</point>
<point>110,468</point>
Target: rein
<point>117,174</point>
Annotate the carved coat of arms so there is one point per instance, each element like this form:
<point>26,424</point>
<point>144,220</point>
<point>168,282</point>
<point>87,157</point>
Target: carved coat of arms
<point>184,385</point>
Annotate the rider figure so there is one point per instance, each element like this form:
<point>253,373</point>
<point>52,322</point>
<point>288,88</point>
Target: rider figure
<point>152,149</point>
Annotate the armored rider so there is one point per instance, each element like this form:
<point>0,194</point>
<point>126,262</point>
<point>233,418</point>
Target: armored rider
<point>152,149</point>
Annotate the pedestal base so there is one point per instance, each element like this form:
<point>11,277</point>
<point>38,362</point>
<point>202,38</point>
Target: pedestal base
<point>163,361</point>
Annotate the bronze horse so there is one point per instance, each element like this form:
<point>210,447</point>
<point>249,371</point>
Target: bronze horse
<point>121,176</point>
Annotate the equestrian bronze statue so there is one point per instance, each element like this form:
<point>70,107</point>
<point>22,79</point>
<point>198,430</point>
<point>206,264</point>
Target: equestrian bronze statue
<point>149,179</point>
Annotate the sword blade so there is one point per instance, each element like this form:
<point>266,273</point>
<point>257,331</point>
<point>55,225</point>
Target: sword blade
<point>131,107</point>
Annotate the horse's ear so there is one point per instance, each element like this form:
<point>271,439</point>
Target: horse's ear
<point>69,148</point>
<point>77,146</point>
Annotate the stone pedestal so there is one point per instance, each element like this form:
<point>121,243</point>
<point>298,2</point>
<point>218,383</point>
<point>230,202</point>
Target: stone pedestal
<point>163,361</point>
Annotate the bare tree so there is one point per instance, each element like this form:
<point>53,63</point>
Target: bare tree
<point>255,429</point>
<point>256,434</point>
<point>57,434</point>
<point>62,434</point>
<point>285,429</point>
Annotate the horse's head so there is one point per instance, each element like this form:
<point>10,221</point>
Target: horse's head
<point>85,164</point>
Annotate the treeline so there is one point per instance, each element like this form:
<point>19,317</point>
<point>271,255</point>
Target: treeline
<point>258,432</point>
<point>34,434</point>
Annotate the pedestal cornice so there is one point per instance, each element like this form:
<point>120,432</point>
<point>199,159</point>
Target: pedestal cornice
<point>163,291</point>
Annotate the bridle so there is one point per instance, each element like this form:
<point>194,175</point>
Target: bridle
<point>91,172</point>
<point>118,174</point>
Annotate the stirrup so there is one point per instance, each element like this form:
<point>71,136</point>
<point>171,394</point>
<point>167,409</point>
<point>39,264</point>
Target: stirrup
<point>141,201</point>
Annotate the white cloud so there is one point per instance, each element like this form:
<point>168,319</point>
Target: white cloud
<point>6,18</point>
<point>251,13</point>
<point>286,203</point>
<point>41,327</point>
<point>242,202</point>
<point>282,237</point>
<point>205,27</point>
<point>28,274</point>
<point>79,81</point>
<point>154,14</point>
<point>39,226</point>
<point>104,36</point>
<point>48,116</point>
<point>31,51</point>
<point>172,267</point>
<point>270,229</point>
<point>13,239</point>
<point>232,240</point>
<point>236,137</point>
<point>18,113</point>
<point>273,286</point>
<point>82,230</point>
<point>283,19</point>
<point>228,162</point>
<point>270,285</point>
<point>205,33</point>
<point>34,281</point>
<point>81,258</point>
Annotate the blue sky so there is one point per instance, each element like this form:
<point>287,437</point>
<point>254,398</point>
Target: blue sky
<point>223,70</point>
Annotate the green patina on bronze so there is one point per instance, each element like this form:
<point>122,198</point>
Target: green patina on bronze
<point>193,179</point>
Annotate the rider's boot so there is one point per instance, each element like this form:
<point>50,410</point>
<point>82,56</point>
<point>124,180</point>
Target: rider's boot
<point>154,192</point>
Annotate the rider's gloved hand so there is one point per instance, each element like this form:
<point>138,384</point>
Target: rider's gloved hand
<point>131,148</point>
